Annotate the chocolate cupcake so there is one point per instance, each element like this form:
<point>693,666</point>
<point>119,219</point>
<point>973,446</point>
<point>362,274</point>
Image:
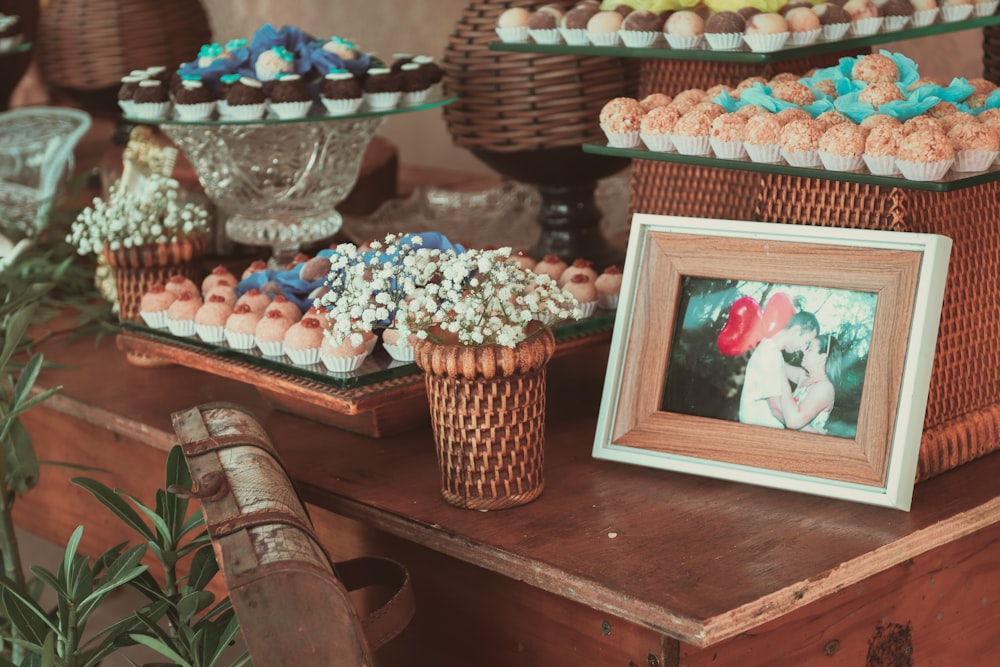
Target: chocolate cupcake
<point>126,92</point>
<point>246,100</point>
<point>341,93</point>
<point>193,100</point>
<point>573,26</point>
<point>289,96</point>
<point>151,100</point>
<point>415,84</point>
<point>382,88</point>
<point>641,28</point>
<point>222,89</point>
<point>724,31</point>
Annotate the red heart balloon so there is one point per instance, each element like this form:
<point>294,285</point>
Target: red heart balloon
<point>778,311</point>
<point>744,328</point>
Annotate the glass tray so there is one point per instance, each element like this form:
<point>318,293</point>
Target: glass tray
<point>744,55</point>
<point>378,368</point>
<point>952,181</point>
<point>317,112</point>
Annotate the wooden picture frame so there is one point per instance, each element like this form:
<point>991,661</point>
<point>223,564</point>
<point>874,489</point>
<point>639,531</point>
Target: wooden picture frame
<point>888,285</point>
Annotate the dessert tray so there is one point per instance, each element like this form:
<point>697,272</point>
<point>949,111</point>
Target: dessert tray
<point>383,397</point>
<point>952,181</point>
<point>790,51</point>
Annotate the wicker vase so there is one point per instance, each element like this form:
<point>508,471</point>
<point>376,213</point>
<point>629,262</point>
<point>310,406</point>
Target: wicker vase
<point>488,414</point>
<point>136,269</point>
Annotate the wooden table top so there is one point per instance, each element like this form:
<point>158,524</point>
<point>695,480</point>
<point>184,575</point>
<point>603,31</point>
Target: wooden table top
<point>697,559</point>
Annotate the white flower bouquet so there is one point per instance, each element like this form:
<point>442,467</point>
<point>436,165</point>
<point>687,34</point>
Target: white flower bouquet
<point>425,286</point>
<point>154,213</point>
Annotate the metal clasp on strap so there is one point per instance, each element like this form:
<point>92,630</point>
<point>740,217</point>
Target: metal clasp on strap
<point>213,487</point>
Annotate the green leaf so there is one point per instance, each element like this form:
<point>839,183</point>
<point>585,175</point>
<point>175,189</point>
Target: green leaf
<point>192,603</point>
<point>161,648</point>
<point>21,472</point>
<point>161,526</point>
<point>196,520</point>
<point>124,569</point>
<point>26,380</point>
<point>223,635</point>
<point>51,580</point>
<point>203,568</point>
<point>24,613</point>
<point>17,326</point>
<point>177,474</point>
<point>70,554</point>
<point>49,650</point>
<point>118,507</point>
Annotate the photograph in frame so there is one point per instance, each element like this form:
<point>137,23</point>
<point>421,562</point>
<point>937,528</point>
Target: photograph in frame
<point>787,356</point>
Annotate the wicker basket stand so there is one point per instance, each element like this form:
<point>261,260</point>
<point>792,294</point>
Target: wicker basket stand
<point>487,409</point>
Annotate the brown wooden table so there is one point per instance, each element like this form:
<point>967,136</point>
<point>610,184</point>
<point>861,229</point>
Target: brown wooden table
<point>613,565</point>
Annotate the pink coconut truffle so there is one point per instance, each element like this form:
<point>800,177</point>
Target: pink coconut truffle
<point>287,308</point>
<point>256,299</point>
<point>925,146</point>
<point>875,67</point>
<point>801,135</point>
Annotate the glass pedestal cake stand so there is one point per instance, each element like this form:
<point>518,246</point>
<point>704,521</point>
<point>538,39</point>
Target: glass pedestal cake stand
<point>277,181</point>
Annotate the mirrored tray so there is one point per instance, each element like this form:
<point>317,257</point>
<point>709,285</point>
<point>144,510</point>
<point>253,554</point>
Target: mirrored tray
<point>744,55</point>
<point>952,180</point>
<point>381,398</point>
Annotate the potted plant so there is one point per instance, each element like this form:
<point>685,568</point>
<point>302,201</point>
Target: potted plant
<point>480,327</point>
<point>146,233</point>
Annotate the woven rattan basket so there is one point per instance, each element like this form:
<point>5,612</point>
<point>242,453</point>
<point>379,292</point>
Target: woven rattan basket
<point>524,101</point>
<point>487,409</point>
<point>136,269</point>
<point>88,45</point>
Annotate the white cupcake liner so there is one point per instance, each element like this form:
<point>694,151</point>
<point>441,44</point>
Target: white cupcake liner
<point>638,39</point>
<point>894,23</point>
<point>587,309</point>
<point>271,348</point>
<point>607,301</point>
<point>574,36</point>
<point>834,162</point>
<point>246,111</point>
<point>399,352</point>
<point>180,327</point>
<point>622,139</point>
<point>414,97</point>
<point>519,34</point>
<point>604,38</point>
<point>240,341</point>
<point>210,333</point>
<point>724,41</point>
<point>157,319</point>
<point>691,145</point>
<point>661,143</point>
<point>801,158</point>
<point>881,165</point>
<point>127,107</point>
<point>867,26</point>
<point>306,357</point>
<point>925,17</point>
<point>676,42</point>
<point>343,364</point>
<point>342,106</point>
<point>804,37</point>
<point>200,111</point>
<point>924,171</point>
<point>765,153</point>
<point>762,43</point>
<point>835,31</point>
<point>290,109</point>
<point>727,150</point>
<point>383,100</point>
<point>988,8</point>
<point>955,13</point>
<point>151,110</point>
<point>547,36</point>
<point>223,107</point>
<point>974,160</point>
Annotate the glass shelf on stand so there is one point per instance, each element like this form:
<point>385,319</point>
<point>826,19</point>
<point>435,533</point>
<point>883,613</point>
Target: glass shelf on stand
<point>744,55</point>
<point>278,180</point>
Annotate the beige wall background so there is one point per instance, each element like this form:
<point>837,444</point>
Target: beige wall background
<point>423,26</point>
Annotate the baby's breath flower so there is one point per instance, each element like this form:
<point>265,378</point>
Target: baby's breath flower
<point>130,218</point>
<point>478,295</point>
